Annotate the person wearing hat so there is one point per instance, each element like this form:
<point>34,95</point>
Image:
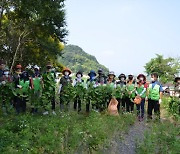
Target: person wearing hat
<point>78,82</point>
<point>37,89</point>
<point>130,89</point>
<point>121,98</point>
<point>141,92</point>
<point>65,81</point>
<point>48,79</point>
<point>22,85</point>
<point>111,83</point>
<point>91,82</point>
<point>155,94</point>
<point>101,78</point>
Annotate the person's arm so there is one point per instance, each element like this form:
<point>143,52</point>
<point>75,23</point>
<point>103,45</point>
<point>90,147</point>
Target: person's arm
<point>161,94</point>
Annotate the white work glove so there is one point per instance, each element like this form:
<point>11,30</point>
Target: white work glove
<point>19,86</point>
<point>3,82</point>
<point>160,101</point>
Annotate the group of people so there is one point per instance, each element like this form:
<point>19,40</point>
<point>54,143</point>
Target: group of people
<point>43,89</point>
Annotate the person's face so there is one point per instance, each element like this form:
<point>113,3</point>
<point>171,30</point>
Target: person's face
<point>2,66</point>
<point>78,75</point>
<point>66,73</point>
<point>130,78</point>
<point>111,76</point>
<point>153,78</point>
<point>122,79</point>
<point>178,82</point>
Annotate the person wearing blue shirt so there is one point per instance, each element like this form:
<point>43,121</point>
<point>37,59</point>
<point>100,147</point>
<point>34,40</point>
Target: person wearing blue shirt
<point>155,93</point>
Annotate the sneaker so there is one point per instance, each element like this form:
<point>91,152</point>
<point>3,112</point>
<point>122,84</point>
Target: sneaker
<point>54,113</point>
<point>46,113</point>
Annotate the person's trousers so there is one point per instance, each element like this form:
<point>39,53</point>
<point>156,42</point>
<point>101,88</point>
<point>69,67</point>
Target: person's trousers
<point>129,105</point>
<point>88,106</point>
<point>53,103</point>
<point>153,105</point>
<point>20,104</point>
<point>63,104</point>
<point>77,102</point>
<point>121,104</point>
<point>140,108</point>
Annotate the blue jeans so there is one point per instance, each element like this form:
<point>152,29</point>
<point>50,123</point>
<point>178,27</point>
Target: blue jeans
<point>140,108</point>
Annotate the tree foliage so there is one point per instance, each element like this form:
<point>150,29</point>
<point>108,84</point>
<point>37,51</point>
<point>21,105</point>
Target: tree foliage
<point>167,68</point>
<point>31,31</point>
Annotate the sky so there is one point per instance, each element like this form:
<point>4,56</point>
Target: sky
<point>124,34</point>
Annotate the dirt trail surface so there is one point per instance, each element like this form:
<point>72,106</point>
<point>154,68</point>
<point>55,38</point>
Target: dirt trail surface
<point>126,143</point>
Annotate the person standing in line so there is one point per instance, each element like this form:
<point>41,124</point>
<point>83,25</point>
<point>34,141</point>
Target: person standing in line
<point>78,81</point>
<point>91,83</point>
<point>130,88</point>
<point>111,82</point>
<point>155,94</point>
<point>48,92</point>
<point>141,92</point>
<point>121,99</point>
<point>65,81</point>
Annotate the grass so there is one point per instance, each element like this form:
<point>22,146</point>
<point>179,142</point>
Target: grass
<point>64,133</point>
<point>162,137</point>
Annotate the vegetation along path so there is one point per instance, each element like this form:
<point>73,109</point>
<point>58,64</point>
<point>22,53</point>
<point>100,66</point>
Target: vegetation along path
<point>143,137</point>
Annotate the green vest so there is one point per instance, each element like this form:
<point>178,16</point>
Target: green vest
<point>37,83</point>
<point>131,87</point>
<point>140,90</point>
<point>154,92</point>
<point>25,86</point>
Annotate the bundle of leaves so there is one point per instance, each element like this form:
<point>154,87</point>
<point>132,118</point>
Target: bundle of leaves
<point>80,91</point>
<point>48,92</point>
<point>6,96</point>
<point>68,94</point>
<point>173,106</point>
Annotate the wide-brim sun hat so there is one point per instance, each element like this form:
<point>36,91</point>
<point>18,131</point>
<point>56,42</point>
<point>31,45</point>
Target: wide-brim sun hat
<point>141,75</point>
<point>92,72</point>
<point>79,72</point>
<point>112,73</point>
<point>122,75</point>
<point>176,79</point>
<point>66,70</point>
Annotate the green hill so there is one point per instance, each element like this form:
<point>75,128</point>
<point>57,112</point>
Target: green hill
<point>76,59</point>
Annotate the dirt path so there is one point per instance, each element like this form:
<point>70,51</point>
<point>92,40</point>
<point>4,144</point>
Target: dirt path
<point>126,143</point>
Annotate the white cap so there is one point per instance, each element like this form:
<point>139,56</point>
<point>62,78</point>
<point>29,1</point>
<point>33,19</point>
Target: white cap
<point>37,67</point>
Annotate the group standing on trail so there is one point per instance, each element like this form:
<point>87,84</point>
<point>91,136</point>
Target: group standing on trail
<point>98,92</point>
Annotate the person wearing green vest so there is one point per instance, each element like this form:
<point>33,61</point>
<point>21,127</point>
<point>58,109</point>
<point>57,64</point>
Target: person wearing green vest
<point>22,85</point>
<point>155,93</point>
<point>141,91</point>
<point>130,89</point>
<point>23,92</point>
<point>37,89</point>
<point>122,86</point>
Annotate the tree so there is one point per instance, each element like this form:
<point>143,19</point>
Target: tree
<point>31,31</point>
<point>167,68</point>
